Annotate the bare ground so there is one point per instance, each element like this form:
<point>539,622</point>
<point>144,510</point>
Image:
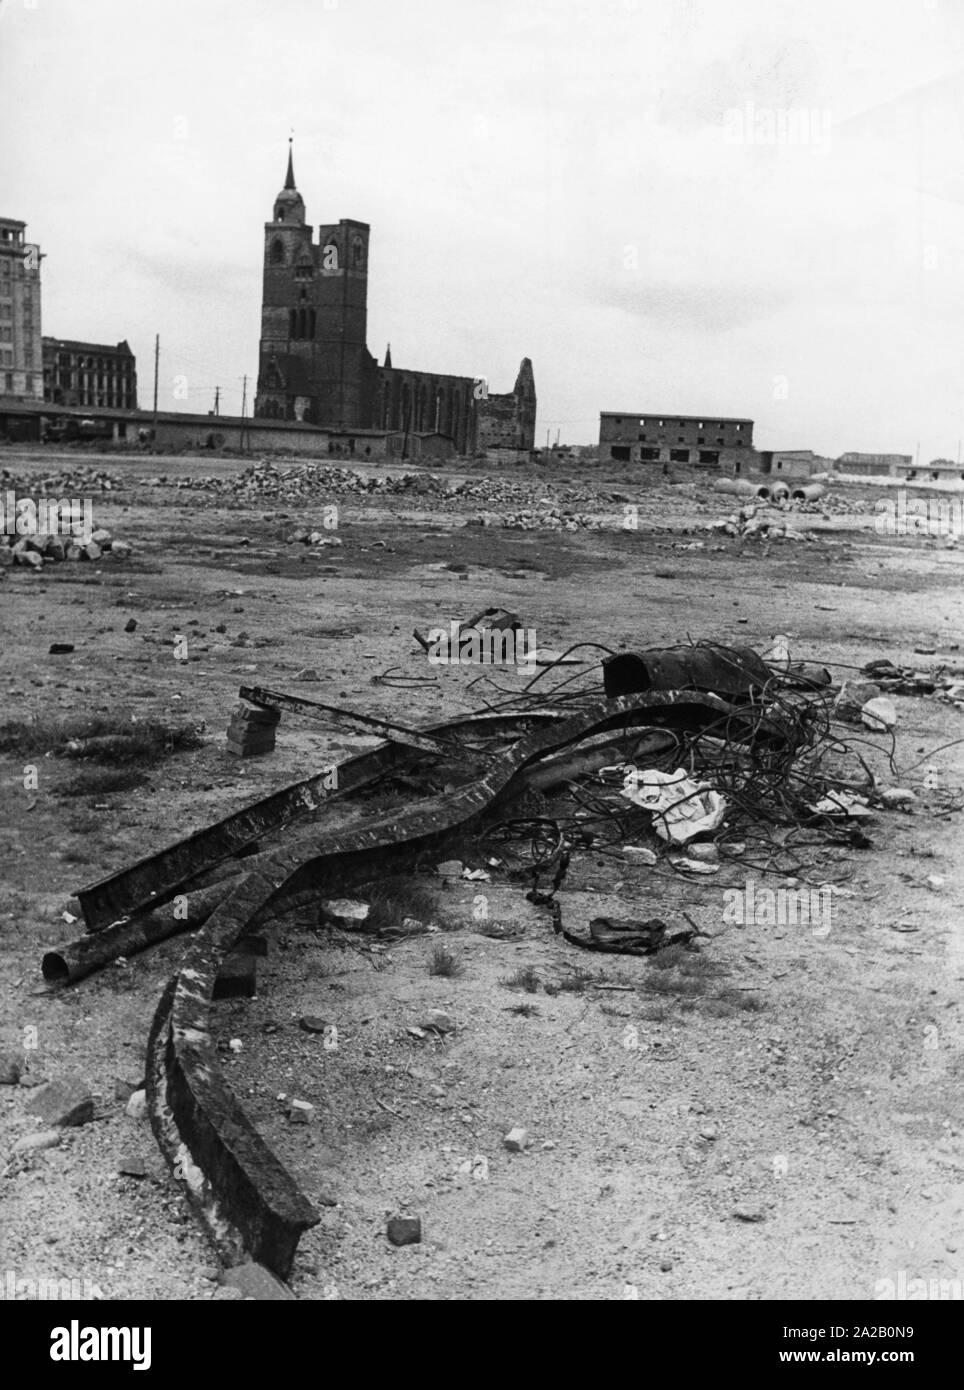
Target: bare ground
<point>779,1116</point>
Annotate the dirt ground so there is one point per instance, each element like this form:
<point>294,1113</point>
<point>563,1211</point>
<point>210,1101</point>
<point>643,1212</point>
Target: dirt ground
<point>782,1121</point>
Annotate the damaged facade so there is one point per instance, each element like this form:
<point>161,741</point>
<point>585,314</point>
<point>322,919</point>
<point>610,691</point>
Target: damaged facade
<point>638,437</point>
<point>21,354</point>
<point>315,366</point>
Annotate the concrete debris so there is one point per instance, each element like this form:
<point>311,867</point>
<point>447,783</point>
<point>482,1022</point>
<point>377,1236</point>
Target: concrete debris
<point>43,1139</point>
<point>404,1230</point>
<point>130,1166</point>
<point>879,714</point>
<point>897,796</point>
<point>639,854</point>
<point>517,1140</point>
<point>136,1106</point>
<point>64,1102</point>
<point>343,911</point>
<point>438,1021</point>
<point>251,731</point>
<point>300,1112</point>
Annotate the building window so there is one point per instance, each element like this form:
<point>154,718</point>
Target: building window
<point>709,456</point>
<point>642,439</point>
<point>276,254</point>
<point>679,455</point>
<point>720,439</point>
<point>620,452</point>
<point>649,455</point>
<point>357,253</point>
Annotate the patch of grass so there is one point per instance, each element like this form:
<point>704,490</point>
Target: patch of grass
<point>108,740</point>
<point>527,978</point>
<point>655,1012</point>
<point>107,781</point>
<point>576,982</point>
<point>739,1000</point>
<point>524,1010</point>
<point>445,962</point>
<point>394,899</point>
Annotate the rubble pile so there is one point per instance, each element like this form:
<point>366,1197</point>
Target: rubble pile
<point>764,522</point>
<point>270,480</point>
<point>34,551</point>
<point>71,482</point>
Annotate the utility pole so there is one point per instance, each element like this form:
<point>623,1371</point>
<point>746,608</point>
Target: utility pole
<point>244,404</point>
<point>157,358</point>
<point>217,400</point>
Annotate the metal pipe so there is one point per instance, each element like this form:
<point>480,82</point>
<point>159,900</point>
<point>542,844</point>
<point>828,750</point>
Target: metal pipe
<point>808,492</point>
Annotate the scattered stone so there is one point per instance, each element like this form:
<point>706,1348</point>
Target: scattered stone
<point>130,625</point>
<point>254,1281</point>
<point>438,1021</point>
<point>404,1230</point>
<point>879,714</point>
<point>517,1140</point>
<point>121,549</point>
<point>236,1045</point>
<point>130,1166</point>
<point>307,673</point>
<point>136,1106</point>
<point>935,882</point>
<point>66,1101</point>
<point>897,796</point>
<point>61,648</point>
<point>341,910</point>
<point>639,854</point>
<point>311,1023</point>
<point>10,1069</point>
<point>748,1214</point>
<point>300,1112</point>
<point>123,1090</point>
<point>43,1139</point>
<point>452,868</point>
<point>708,852</point>
<point>852,697</point>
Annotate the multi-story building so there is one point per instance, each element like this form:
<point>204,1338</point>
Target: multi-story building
<point>89,375</point>
<point>314,363</point>
<point>21,356</point>
<point>707,442</point>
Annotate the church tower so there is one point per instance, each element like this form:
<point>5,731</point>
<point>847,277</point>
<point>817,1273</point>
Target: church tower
<point>314,364</point>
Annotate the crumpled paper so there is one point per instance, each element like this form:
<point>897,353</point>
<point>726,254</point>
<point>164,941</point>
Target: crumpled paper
<point>681,808</point>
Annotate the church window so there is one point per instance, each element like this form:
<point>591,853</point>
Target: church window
<point>357,252</point>
<point>277,253</point>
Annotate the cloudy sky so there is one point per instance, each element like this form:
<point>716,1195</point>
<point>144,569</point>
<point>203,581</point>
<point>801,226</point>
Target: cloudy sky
<point>739,207</point>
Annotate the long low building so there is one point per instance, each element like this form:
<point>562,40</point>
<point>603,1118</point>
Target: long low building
<point>700,441</point>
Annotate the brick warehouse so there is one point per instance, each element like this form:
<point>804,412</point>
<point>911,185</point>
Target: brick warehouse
<point>314,365</point>
<point>707,442</point>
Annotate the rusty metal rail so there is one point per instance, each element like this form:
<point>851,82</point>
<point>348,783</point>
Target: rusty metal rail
<point>156,878</point>
<point>245,1198</point>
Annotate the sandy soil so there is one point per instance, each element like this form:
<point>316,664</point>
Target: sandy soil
<point>785,1122</point>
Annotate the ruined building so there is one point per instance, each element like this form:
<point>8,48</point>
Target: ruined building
<point>21,354</point>
<point>89,375</point>
<point>314,365</point>
<point>633,437</point>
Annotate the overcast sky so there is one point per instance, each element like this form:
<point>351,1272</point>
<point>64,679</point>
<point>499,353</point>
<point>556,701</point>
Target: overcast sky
<point>623,190</point>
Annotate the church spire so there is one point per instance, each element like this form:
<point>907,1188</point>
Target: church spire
<point>290,178</point>
<point>388,355</point>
